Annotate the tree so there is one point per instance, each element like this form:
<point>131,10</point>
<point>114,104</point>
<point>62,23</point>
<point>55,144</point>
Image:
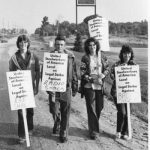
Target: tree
<point>78,43</point>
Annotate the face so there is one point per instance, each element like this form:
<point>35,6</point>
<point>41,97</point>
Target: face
<point>23,46</point>
<point>60,45</point>
<point>126,57</point>
<point>92,48</point>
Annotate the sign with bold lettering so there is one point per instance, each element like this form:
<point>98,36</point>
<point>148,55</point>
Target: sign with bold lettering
<point>98,28</point>
<point>86,2</point>
<point>128,84</point>
<point>20,89</point>
<point>54,72</point>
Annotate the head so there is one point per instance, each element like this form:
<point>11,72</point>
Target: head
<point>91,46</point>
<point>60,42</point>
<point>126,54</point>
<point>23,42</point>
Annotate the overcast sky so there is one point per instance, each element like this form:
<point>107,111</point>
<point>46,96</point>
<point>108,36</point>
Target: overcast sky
<point>29,13</point>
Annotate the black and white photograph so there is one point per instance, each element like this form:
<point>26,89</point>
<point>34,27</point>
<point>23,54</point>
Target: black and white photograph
<point>74,74</point>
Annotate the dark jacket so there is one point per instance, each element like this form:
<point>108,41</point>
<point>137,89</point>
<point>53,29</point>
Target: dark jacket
<point>85,70</point>
<point>16,62</point>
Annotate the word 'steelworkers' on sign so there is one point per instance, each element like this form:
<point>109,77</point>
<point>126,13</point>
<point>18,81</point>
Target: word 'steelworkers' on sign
<point>54,72</point>
<point>128,84</point>
<point>98,28</point>
<point>20,89</point>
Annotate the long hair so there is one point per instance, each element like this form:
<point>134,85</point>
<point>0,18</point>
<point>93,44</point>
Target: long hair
<point>86,45</point>
<point>23,38</point>
<point>126,49</point>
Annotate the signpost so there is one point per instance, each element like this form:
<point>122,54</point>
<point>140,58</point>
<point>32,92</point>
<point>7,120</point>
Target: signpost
<point>21,94</point>
<point>128,88</point>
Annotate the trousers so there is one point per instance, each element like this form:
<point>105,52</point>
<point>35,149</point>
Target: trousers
<point>29,115</point>
<point>60,111</point>
<point>94,104</point>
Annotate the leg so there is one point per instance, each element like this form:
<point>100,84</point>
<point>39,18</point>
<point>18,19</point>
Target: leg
<point>65,106</point>
<point>21,132</point>
<point>55,111</point>
<point>121,115</point>
<point>65,113</point>
<point>99,102</point>
<point>30,113</point>
<point>125,125</point>
<point>93,122</point>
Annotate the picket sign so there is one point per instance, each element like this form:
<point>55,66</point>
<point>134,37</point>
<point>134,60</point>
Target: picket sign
<point>128,88</point>
<point>21,94</point>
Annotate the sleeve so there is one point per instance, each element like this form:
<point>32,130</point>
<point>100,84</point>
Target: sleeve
<point>85,77</point>
<point>106,68</point>
<point>37,65</point>
<point>74,78</point>
<point>12,66</point>
<point>112,71</point>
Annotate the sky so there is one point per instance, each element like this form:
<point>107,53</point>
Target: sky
<point>28,14</point>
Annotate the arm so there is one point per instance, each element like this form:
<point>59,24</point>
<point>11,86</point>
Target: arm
<point>74,79</point>
<point>37,75</point>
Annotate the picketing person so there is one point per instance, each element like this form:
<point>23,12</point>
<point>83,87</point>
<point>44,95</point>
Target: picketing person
<point>126,57</point>
<point>94,68</point>
<point>24,59</point>
<point>61,106</point>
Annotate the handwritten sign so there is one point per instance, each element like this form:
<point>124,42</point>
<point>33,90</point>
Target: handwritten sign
<point>20,89</point>
<point>98,28</point>
<point>54,72</point>
<point>128,84</point>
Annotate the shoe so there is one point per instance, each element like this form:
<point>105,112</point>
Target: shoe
<point>22,140</point>
<point>93,136</point>
<point>125,137</point>
<point>63,139</point>
<point>118,135</point>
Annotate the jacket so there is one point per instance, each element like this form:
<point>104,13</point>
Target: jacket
<point>17,63</point>
<point>85,70</point>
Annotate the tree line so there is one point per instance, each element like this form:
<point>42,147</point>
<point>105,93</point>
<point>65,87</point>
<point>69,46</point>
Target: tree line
<point>67,28</point>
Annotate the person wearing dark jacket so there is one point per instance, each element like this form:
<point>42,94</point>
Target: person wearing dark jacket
<point>94,68</point>
<point>23,59</point>
<point>60,107</point>
<point>126,57</point>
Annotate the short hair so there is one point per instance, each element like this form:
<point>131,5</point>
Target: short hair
<point>60,37</point>
<point>86,45</point>
<point>23,38</point>
<point>126,49</point>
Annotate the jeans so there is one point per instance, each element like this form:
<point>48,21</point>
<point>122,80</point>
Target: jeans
<point>94,105</point>
<point>29,115</point>
<point>60,111</point>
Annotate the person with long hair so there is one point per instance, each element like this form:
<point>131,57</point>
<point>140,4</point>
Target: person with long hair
<point>23,59</point>
<point>126,57</point>
<point>94,68</point>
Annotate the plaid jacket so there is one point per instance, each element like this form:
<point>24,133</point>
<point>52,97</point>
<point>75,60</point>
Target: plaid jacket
<point>85,70</point>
